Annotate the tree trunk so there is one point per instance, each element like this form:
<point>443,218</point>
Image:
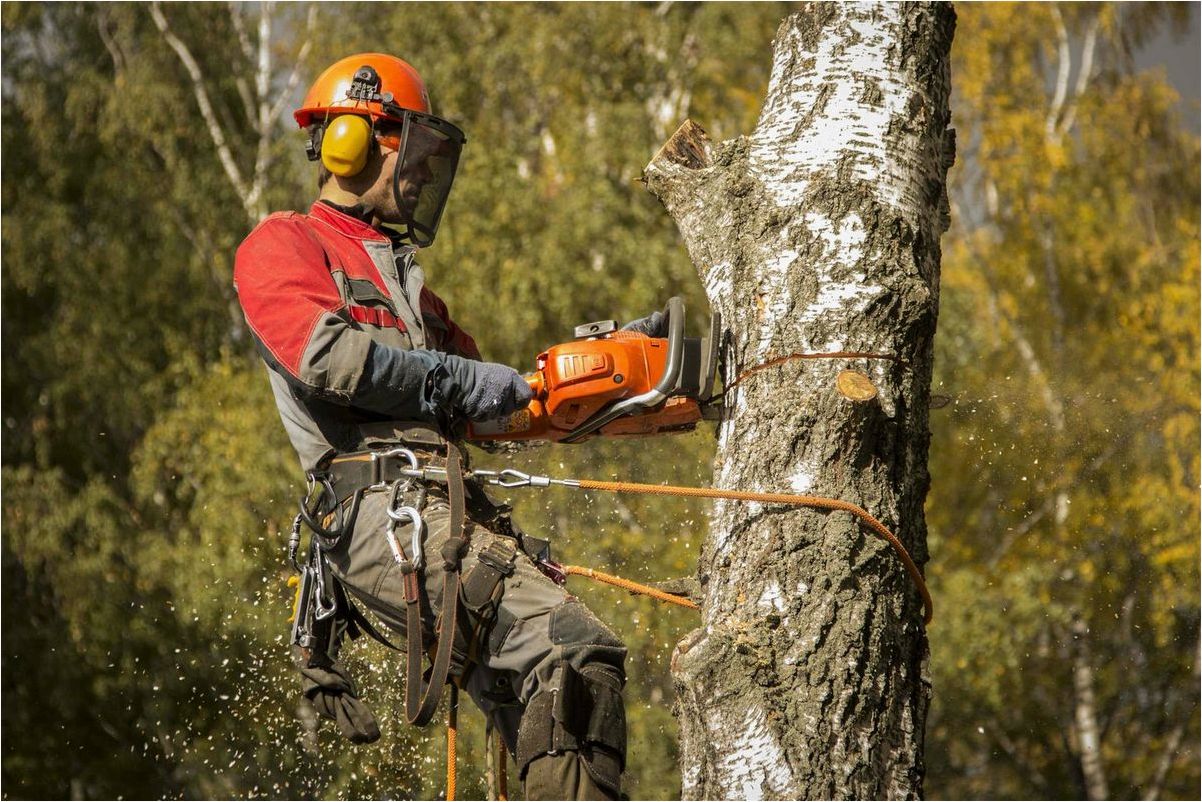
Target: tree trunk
<point>818,233</point>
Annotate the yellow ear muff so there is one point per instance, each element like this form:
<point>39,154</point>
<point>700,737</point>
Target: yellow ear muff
<point>345,145</point>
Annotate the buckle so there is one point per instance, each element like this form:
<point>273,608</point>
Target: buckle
<point>498,556</point>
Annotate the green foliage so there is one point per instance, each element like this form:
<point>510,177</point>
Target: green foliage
<point>149,487</point>
<point>1069,341</point>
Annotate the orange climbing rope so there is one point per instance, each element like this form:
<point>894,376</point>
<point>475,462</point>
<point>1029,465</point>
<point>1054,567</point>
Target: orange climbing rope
<point>780,360</point>
<point>626,584</point>
<point>817,502</point>
<point>452,737</point>
<point>502,768</point>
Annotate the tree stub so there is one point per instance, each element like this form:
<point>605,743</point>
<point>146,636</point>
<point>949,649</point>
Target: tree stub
<point>855,386</point>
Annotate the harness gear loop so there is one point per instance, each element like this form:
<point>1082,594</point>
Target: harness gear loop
<point>326,508</point>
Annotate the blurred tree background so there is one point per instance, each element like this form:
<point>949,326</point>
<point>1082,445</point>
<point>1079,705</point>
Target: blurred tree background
<point>148,485</point>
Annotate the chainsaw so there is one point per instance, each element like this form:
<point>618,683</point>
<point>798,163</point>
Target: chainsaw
<point>619,383</point>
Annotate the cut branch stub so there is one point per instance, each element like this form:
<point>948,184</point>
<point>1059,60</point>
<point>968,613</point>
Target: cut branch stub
<point>855,386</point>
<point>689,147</point>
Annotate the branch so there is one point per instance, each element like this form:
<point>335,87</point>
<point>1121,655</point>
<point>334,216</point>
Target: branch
<point>263,108</point>
<point>1065,58</point>
<point>1087,51</point>
<point>206,108</point>
<point>110,44</point>
<point>240,29</point>
<point>294,76</point>
<point>1167,758</point>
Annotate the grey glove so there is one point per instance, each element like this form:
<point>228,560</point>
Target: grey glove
<point>654,325</point>
<point>330,688</point>
<point>480,390</point>
<point>427,384</point>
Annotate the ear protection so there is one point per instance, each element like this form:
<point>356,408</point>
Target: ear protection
<point>345,145</point>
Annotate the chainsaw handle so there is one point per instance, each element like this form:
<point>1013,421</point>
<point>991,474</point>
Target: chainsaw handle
<point>674,312</point>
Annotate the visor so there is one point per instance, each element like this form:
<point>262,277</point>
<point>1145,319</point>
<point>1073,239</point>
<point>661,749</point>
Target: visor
<point>429,151</point>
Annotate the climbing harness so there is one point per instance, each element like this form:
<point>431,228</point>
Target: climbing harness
<point>400,470</point>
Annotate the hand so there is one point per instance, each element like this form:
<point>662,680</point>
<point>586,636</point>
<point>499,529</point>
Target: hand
<point>483,390</point>
<point>654,325</point>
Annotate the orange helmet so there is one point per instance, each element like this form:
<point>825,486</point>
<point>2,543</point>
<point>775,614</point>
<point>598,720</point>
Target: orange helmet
<point>373,84</point>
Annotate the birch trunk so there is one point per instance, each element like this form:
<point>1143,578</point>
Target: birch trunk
<point>818,233</point>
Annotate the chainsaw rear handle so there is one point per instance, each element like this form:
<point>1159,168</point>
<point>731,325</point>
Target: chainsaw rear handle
<point>674,312</point>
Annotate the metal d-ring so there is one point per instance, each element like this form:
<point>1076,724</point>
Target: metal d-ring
<point>377,457</point>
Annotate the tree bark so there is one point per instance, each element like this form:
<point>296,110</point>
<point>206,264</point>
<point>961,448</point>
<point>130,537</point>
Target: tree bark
<point>818,233</point>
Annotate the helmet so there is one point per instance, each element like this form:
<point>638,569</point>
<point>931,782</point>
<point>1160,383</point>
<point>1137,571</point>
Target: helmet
<point>338,90</point>
<point>359,103</point>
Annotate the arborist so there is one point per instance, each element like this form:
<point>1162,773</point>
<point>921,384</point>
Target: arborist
<point>368,370</point>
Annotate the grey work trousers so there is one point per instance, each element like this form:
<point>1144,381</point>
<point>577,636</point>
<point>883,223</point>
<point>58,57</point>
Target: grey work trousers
<point>537,624</point>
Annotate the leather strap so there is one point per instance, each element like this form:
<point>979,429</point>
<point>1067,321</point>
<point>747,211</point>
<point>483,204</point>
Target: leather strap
<point>422,700</point>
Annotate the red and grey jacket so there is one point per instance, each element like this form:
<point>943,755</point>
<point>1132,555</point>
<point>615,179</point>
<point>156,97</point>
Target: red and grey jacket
<point>347,327</point>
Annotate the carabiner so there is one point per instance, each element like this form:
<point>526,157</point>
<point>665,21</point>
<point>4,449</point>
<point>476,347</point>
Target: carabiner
<point>322,610</point>
<point>294,539</point>
<point>406,515</point>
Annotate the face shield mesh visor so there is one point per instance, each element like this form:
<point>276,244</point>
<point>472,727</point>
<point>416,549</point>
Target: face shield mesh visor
<point>425,169</point>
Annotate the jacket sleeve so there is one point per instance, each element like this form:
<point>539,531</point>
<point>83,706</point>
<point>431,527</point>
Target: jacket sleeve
<point>292,308</point>
<point>452,339</point>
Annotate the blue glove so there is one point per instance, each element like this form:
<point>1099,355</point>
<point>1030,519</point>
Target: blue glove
<point>654,325</point>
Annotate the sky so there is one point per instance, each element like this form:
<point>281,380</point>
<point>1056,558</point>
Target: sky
<point>1178,51</point>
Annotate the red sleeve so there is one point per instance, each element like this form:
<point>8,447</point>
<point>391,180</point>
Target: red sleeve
<point>458,342</point>
<point>285,288</point>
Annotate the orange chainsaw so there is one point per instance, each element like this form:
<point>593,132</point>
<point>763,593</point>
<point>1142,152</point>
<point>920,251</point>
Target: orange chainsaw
<point>616,383</point>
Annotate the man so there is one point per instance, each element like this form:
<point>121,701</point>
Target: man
<point>363,358</point>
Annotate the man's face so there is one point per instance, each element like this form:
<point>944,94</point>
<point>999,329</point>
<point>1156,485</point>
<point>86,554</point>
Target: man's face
<point>423,145</point>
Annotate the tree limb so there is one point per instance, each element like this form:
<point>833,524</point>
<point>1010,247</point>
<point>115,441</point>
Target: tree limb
<point>1083,77</point>
<point>1065,59</point>
<point>294,75</point>
<point>206,107</point>
<point>240,30</point>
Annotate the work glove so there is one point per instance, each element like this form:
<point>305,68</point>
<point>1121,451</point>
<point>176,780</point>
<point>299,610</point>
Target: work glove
<point>329,687</point>
<point>654,325</point>
<point>480,390</point>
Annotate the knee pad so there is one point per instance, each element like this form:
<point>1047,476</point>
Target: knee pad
<point>579,711</point>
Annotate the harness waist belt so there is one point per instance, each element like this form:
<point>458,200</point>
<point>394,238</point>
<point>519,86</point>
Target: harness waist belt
<point>351,472</point>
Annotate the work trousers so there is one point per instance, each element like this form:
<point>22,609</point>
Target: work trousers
<point>535,633</point>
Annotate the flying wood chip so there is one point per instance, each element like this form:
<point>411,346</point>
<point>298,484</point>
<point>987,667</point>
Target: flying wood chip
<point>856,386</point>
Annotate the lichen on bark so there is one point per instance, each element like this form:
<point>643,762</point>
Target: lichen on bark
<point>818,232</point>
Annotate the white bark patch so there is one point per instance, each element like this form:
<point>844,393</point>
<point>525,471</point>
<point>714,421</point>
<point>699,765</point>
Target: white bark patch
<point>771,597</point>
<point>803,480</point>
<point>841,288</point>
<point>753,763</point>
<point>832,94</point>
